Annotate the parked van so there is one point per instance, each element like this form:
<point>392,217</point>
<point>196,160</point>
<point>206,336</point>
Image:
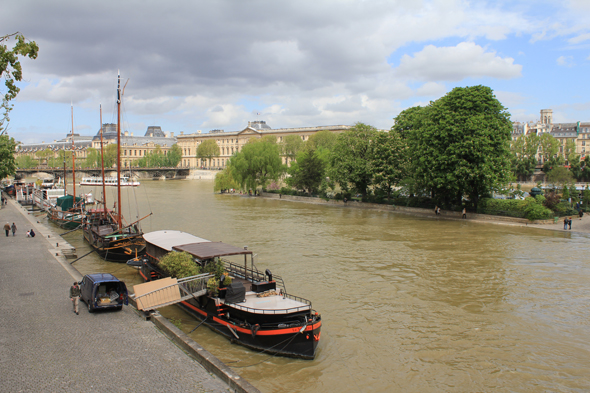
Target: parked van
<point>103,291</point>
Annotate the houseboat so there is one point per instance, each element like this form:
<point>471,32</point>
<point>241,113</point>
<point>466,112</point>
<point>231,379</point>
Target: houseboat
<point>255,310</point>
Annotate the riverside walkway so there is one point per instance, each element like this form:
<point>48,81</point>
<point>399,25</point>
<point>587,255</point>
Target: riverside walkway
<point>44,346</point>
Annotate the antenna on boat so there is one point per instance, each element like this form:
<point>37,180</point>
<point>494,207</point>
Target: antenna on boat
<point>119,222</point>
<point>73,156</point>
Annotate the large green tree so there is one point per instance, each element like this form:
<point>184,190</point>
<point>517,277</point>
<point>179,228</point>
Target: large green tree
<point>174,155</point>
<point>224,180</point>
<point>208,149</point>
<point>308,171</point>
<point>7,161</point>
<point>524,155</point>
<point>390,163</point>
<point>351,161</point>
<point>291,145</point>
<point>257,163</point>
<point>11,70</point>
<point>460,145</point>
<point>549,147</point>
<point>323,139</point>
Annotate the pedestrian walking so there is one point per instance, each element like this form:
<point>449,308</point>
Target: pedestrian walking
<point>75,296</point>
<point>464,213</point>
<point>569,222</point>
<point>436,210</point>
<point>13,229</point>
<point>7,228</point>
<point>565,223</point>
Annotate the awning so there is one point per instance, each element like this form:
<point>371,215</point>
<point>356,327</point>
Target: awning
<point>210,250</point>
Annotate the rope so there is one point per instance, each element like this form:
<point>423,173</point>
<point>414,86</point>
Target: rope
<point>264,360</point>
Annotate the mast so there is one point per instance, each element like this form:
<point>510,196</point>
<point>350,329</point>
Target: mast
<point>104,195</point>
<point>73,157</point>
<point>118,151</point>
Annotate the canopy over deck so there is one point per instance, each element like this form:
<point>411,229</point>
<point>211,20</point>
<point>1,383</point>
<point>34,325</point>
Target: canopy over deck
<point>168,239</point>
<point>210,250</point>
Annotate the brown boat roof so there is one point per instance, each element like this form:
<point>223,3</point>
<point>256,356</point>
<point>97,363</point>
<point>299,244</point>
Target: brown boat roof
<point>208,250</point>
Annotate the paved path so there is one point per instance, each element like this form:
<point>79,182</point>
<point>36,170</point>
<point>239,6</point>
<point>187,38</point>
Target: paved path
<point>45,347</point>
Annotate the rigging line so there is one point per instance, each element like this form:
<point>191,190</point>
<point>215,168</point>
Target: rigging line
<point>135,196</point>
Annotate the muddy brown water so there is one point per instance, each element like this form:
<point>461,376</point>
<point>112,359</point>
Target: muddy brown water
<point>408,304</point>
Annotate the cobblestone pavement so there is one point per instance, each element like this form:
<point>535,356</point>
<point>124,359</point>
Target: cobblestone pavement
<point>45,346</point>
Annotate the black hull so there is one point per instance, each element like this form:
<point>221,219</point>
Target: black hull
<point>120,250</point>
<point>293,338</point>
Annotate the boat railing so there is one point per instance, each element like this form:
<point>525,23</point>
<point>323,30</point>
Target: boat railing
<point>194,284</point>
<point>289,310</point>
<point>252,275</point>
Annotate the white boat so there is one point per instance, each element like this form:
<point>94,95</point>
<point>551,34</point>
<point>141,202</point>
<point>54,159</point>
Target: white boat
<point>45,199</point>
<point>109,181</point>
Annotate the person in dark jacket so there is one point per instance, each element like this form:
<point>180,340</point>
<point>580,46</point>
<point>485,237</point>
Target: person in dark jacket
<point>13,229</point>
<point>7,228</point>
<point>75,296</point>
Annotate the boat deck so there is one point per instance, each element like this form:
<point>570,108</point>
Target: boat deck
<point>273,304</point>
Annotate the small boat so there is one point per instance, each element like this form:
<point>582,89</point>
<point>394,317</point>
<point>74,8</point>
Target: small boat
<point>45,199</point>
<point>255,310</point>
<point>108,181</point>
<point>67,212</point>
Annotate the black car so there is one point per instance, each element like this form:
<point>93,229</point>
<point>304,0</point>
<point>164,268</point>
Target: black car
<point>103,291</point>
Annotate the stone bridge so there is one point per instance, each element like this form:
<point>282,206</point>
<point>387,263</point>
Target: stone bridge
<point>141,173</point>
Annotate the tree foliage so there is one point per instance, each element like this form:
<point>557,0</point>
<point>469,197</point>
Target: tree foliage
<point>225,181</point>
<point>291,145</point>
<point>309,170</point>
<point>459,145</point>
<point>208,149</point>
<point>524,155</point>
<point>7,161</point>
<point>560,176</point>
<point>257,163</point>
<point>323,139</point>
<point>389,161</point>
<point>351,161</point>
<point>11,70</point>
<point>179,264</point>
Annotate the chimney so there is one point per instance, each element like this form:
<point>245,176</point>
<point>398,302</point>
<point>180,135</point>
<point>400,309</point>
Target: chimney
<point>198,131</point>
<point>181,132</point>
<point>126,133</point>
<point>171,135</point>
<point>131,134</point>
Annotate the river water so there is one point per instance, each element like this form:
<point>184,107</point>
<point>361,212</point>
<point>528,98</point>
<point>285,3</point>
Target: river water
<point>409,304</point>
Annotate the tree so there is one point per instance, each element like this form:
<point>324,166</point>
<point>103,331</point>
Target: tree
<point>560,176</point>
<point>524,155</point>
<point>7,161</point>
<point>549,149</point>
<point>323,139</point>
<point>291,146</point>
<point>257,163</point>
<point>110,155</point>
<point>308,171</point>
<point>174,155</point>
<point>92,158</point>
<point>44,155</point>
<point>11,70</point>
<point>224,180</point>
<point>460,145</point>
<point>25,162</point>
<point>351,161</point>
<point>208,149</point>
<point>389,160</point>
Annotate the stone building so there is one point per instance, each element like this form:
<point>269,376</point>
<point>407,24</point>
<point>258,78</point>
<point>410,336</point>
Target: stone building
<point>579,132</point>
<point>232,141</point>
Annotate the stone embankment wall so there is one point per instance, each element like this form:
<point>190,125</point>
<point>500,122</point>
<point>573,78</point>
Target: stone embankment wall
<point>406,210</point>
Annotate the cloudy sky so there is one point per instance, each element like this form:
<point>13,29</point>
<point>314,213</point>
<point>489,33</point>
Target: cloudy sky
<point>202,65</point>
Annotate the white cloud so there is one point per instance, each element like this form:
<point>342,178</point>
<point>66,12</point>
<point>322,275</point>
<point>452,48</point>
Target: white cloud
<point>466,60</point>
<point>565,61</point>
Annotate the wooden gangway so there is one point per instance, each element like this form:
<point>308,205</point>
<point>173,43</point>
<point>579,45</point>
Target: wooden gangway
<point>168,291</point>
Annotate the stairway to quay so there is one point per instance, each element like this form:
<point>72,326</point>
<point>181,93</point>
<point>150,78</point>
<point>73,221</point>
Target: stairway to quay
<point>45,346</point>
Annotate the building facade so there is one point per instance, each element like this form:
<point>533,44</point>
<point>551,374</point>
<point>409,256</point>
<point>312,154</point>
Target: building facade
<point>231,142</point>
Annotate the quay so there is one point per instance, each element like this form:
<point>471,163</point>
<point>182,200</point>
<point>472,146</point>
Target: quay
<point>45,346</point>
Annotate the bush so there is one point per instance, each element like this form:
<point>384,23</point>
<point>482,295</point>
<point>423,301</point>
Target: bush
<point>503,207</point>
<point>179,264</point>
<point>536,211</point>
<point>564,209</point>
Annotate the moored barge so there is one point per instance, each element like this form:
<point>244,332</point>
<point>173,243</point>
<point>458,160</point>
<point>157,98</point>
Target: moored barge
<point>255,310</point>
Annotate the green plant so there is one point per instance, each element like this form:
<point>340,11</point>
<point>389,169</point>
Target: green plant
<point>176,322</point>
<point>213,285</point>
<point>179,264</point>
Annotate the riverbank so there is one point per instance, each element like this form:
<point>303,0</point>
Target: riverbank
<point>579,225</point>
<point>47,347</point>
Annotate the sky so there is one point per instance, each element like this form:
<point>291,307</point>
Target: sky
<point>202,65</point>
